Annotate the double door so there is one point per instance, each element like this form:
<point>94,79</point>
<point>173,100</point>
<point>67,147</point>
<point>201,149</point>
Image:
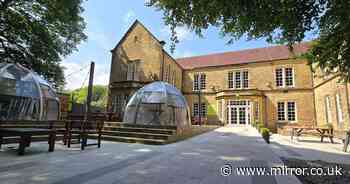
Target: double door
<point>239,113</point>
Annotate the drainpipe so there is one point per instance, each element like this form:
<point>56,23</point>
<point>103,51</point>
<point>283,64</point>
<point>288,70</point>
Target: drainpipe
<point>162,43</point>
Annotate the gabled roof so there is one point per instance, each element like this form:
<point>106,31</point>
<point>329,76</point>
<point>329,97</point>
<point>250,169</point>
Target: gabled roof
<point>243,56</point>
<point>137,22</point>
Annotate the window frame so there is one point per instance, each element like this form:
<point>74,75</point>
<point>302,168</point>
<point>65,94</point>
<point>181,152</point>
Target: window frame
<point>286,111</point>
<point>340,114</point>
<point>199,81</point>
<point>284,77</point>
<point>238,81</point>
<point>328,109</point>
<point>202,112</point>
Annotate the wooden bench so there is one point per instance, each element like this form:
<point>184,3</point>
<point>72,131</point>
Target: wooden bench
<point>26,134</point>
<point>83,129</point>
<point>59,126</point>
<point>321,131</point>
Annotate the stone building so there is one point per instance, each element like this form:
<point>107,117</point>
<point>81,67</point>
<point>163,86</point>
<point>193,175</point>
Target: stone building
<point>270,85</point>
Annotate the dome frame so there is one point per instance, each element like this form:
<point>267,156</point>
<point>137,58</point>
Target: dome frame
<point>25,95</point>
<point>159,104</point>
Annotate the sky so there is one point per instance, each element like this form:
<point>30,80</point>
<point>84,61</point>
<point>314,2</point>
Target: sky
<point>108,20</point>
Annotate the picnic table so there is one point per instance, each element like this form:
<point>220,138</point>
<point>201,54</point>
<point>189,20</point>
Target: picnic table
<point>323,131</point>
<point>26,134</point>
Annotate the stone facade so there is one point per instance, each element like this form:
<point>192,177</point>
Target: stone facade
<point>331,101</point>
<point>139,58</point>
<point>261,89</point>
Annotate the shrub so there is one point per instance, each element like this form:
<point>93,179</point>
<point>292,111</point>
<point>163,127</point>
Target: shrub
<point>260,126</point>
<point>265,132</point>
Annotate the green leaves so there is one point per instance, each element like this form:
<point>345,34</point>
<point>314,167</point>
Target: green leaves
<point>39,33</point>
<point>99,97</point>
<point>279,21</point>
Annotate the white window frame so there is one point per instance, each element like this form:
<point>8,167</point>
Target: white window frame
<point>196,112</point>
<point>328,110</point>
<point>257,111</point>
<point>230,79</point>
<point>278,112</point>
<point>286,112</point>
<point>203,110</point>
<point>198,82</point>
<point>284,77</point>
<point>233,82</point>
<point>339,108</point>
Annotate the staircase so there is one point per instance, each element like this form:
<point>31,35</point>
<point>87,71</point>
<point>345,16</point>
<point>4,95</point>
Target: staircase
<point>132,133</point>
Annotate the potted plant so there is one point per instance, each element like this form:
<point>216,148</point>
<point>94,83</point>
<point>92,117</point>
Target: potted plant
<point>265,132</point>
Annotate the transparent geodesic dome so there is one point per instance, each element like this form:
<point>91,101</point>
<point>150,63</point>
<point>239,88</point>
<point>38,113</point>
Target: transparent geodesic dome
<point>24,95</point>
<point>158,103</point>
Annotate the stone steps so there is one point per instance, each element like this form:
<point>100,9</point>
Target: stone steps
<point>139,129</point>
<point>137,134</point>
<point>132,139</point>
<point>132,133</point>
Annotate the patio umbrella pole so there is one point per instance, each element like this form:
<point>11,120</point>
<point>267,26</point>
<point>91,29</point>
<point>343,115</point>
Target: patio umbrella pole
<point>89,96</point>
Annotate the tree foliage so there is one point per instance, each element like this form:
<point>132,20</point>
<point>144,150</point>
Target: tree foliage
<point>99,97</point>
<point>38,33</point>
<point>279,21</point>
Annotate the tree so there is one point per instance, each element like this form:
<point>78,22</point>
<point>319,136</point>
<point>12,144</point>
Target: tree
<point>99,96</point>
<point>279,21</point>
<point>38,33</point>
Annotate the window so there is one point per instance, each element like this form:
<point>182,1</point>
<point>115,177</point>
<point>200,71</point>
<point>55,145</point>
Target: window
<point>230,80</point>
<point>286,111</point>
<point>125,101</point>
<point>116,103</point>
<point>280,111</point>
<point>291,111</point>
<point>196,110</point>
<point>257,111</point>
<point>199,81</point>
<point>131,71</point>
<point>289,76</point>
<point>328,110</point>
<point>204,110</point>
<point>238,79</point>
<point>284,77</point>
<point>245,79</point>
<point>196,82</point>
<point>339,108</point>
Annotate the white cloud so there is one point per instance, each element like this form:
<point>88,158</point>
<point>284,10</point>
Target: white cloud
<point>182,33</point>
<point>129,17</point>
<point>78,74</point>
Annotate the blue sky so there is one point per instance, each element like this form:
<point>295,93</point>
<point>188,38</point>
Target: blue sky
<point>108,20</point>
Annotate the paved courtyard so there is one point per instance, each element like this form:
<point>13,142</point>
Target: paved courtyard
<point>310,148</point>
<point>196,160</point>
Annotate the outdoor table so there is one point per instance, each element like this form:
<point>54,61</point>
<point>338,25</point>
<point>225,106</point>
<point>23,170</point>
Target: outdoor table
<point>323,131</point>
<point>26,134</point>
